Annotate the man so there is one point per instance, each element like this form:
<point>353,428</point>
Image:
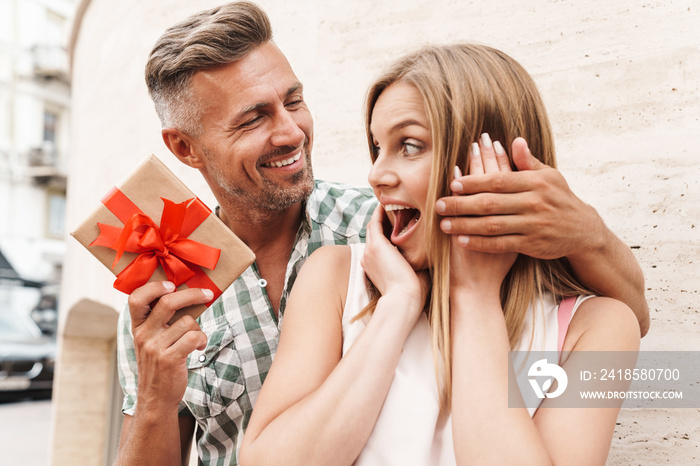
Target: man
<point>231,107</point>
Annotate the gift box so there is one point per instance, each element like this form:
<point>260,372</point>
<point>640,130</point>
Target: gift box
<point>152,227</point>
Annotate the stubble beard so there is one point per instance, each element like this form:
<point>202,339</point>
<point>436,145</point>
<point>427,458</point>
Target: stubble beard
<point>271,198</point>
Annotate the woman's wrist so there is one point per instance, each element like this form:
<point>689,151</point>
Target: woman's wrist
<point>473,304</point>
<point>475,292</point>
<point>399,309</point>
<point>398,299</point>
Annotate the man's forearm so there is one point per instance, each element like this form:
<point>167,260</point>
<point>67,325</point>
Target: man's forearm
<point>150,439</point>
<point>610,268</point>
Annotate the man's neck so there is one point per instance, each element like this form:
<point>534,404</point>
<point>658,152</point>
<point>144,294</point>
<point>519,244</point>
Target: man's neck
<point>271,237</point>
<point>264,231</point>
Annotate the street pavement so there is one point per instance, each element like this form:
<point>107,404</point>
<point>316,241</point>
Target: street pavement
<point>24,433</point>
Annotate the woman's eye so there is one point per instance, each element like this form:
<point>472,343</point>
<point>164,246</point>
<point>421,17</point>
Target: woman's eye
<point>410,148</point>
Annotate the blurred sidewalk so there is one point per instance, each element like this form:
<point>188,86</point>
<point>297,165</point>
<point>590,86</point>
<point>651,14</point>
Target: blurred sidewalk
<point>24,433</point>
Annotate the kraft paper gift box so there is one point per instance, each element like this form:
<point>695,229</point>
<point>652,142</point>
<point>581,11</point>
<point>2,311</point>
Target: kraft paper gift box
<point>152,227</point>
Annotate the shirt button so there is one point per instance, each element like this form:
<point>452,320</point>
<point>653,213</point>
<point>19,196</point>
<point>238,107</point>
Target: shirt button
<point>262,282</point>
<point>202,358</point>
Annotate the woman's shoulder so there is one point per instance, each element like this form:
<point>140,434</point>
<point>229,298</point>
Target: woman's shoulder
<point>330,255</point>
<point>326,273</point>
<point>603,324</point>
<point>335,259</point>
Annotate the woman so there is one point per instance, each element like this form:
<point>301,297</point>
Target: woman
<point>413,367</point>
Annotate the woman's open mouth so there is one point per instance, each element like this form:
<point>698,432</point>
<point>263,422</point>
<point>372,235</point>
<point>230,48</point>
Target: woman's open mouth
<point>405,221</point>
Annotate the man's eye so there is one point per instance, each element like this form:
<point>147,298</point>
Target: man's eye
<point>251,122</point>
<point>295,103</point>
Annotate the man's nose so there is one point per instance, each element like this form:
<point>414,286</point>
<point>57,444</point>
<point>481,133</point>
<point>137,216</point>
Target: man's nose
<point>286,131</point>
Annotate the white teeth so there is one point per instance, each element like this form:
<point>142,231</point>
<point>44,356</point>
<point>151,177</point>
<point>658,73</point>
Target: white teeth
<point>413,220</point>
<point>390,207</point>
<point>283,163</point>
<point>411,223</point>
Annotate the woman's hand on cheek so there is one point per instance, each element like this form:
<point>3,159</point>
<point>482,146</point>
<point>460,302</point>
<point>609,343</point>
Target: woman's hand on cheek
<point>386,267</point>
<point>487,157</point>
<point>472,270</point>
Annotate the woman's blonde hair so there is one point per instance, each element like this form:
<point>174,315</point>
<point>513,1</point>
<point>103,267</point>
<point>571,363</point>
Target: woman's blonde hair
<point>468,90</point>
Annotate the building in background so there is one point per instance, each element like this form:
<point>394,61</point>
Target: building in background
<point>34,149</point>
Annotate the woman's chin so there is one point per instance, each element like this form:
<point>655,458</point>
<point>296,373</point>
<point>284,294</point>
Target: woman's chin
<point>416,259</point>
<point>419,268</point>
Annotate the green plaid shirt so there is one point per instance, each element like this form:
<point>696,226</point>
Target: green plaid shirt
<point>225,378</point>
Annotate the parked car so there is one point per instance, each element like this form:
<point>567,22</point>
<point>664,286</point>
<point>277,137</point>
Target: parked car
<point>45,313</point>
<point>27,358</point>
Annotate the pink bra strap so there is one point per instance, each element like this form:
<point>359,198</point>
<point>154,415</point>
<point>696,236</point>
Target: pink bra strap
<point>566,309</point>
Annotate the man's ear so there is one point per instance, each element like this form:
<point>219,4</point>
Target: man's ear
<point>183,146</point>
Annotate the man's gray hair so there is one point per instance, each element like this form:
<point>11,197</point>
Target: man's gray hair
<point>209,38</point>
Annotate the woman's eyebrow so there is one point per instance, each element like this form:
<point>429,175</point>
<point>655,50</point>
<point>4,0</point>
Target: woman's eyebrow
<point>404,123</point>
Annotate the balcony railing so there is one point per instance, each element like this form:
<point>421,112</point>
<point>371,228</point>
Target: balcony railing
<point>50,62</point>
<point>46,167</point>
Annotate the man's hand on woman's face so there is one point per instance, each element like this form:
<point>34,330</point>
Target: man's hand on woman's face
<point>531,211</point>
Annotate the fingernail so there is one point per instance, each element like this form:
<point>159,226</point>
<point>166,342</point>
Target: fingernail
<point>463,240</point>
<point>457,186</point>
<point>446,225</point>
<point>209,294</point>
<point>486,140</point>
<point>475,150</point>
<point>457,172</point>
<point>498,148</point>
<point>440,206</point>
<point>169,286</point>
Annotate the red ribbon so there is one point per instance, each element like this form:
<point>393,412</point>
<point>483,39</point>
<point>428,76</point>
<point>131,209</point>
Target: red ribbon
<point>166,245</point>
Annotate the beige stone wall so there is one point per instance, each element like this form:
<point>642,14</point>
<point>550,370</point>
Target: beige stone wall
<point>84,398</point>
<point>621,81</point>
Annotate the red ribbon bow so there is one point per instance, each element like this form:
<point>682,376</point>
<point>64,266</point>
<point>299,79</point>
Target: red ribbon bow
<point>166,245</point>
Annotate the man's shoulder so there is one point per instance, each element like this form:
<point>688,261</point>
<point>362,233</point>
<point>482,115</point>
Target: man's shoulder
<point>328,196</point>
<point>342,207</point>
<point>329,189</point>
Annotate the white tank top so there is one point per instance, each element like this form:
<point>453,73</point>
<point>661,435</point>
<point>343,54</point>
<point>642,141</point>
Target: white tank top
<point>410,429</point>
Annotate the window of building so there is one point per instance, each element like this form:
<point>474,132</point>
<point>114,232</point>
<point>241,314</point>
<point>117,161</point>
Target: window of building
<point>50,126</point>
<point>56,213</point>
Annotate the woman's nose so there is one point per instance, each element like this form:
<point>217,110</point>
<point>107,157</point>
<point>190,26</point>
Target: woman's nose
<point>382,174</point>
